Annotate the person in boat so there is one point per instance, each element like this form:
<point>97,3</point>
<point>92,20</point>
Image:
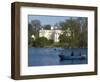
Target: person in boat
<point>72,54</point>
<point>61,56</point>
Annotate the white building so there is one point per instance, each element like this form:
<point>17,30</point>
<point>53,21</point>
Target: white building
<point>52,34</point>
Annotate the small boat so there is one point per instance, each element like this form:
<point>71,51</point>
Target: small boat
<point>63,57</point>
<point>72,57</point>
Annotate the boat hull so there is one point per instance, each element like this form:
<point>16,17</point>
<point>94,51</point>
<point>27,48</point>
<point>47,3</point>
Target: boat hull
<point>63,57</point>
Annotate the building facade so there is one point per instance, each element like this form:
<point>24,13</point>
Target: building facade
<point>52,34</point>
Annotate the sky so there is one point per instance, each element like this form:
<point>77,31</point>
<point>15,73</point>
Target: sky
<point>45,20</point>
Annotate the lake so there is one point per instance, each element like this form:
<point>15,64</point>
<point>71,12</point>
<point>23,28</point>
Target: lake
<point>51,56</point>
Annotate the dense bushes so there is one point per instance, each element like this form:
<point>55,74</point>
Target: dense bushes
<point>41,42</point>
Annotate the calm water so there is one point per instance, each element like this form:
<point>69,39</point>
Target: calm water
<point>50,56</point>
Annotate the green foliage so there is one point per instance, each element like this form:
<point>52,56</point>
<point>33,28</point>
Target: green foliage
<point>84,32</point>
<point>78,36</point>
<point>30,32</point>
<point>50,42</point>
<point>47,27</point>
<point>42,42</point>
<point>64,40</point>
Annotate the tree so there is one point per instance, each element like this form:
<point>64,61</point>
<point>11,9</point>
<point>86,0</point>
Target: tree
<point>30,28</point>
<point>33,29</point>
<point>36,26</point>
<point>84,33</point>
<point>47,27</point>
<point>40,42</point>
<point>50,41</point>
<point>74,26</point>
<point>30,32</point>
